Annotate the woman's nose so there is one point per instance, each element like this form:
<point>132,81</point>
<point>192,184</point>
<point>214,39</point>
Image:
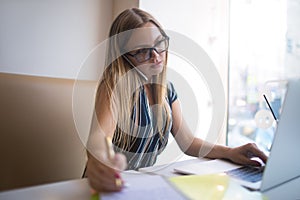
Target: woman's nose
<point>154,54</point>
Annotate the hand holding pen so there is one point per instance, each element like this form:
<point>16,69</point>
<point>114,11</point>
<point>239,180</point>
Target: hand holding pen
<point>104,171</point>
<point>111,156</point>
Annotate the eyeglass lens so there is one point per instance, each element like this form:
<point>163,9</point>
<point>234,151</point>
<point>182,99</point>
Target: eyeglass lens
<point>145,54</point>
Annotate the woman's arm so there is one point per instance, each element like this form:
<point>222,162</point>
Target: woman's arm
<point>101,171</point>
<point>197,147</point>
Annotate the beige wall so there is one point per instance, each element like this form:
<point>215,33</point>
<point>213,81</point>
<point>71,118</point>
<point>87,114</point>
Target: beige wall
<point>50,38</point>
<point>120,5</point>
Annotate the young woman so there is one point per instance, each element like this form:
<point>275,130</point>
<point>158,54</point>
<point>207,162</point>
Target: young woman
<point>138,108</point>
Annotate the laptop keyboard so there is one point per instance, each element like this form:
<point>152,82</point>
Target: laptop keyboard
<point>247,173</point>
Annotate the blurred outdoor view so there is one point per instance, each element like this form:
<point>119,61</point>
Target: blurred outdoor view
<point>261,47</point>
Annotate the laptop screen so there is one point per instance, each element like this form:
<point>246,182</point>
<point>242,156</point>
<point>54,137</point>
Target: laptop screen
<point>282,165</point>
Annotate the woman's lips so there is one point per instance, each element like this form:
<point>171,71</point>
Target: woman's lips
<point>158,64</point>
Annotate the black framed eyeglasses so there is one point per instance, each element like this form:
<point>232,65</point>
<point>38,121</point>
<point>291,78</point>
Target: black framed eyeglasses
<point>145,54</point>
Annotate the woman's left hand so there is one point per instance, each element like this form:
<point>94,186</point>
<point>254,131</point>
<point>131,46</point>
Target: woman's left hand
<point>244,155</point>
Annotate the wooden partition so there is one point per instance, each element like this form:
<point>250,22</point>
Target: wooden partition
<point>39,142</point>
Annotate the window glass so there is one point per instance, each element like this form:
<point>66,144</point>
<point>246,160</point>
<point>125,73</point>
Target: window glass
<point>257,57</point>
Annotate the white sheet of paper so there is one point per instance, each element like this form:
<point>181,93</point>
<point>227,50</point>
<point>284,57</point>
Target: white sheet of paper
<point>207,167</point>
<point>146,187</point>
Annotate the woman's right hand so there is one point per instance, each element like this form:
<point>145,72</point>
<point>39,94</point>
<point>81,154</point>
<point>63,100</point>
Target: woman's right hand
<point>103,174</point>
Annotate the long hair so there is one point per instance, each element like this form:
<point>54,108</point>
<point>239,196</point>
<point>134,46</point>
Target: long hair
<point>122,83</point>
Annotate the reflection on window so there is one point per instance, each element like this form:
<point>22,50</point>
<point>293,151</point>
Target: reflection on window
<point>257,52</point>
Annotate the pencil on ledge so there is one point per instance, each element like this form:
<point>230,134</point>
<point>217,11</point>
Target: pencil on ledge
<point>111,156</point>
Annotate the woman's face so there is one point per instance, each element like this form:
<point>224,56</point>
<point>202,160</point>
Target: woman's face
<point>147,50</point>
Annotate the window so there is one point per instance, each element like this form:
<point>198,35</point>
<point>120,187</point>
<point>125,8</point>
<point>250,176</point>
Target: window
<point>258,31</point>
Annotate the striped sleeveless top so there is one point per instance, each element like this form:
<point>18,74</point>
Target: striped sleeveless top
<point>147,144</point>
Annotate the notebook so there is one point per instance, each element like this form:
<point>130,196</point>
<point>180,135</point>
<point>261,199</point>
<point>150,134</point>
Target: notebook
<point>146,187</point>
<point>282,165</point>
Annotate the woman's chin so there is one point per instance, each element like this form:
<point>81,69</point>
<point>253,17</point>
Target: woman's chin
<point>157,68</point>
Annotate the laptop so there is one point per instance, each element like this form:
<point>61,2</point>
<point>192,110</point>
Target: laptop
<point>282,165</point>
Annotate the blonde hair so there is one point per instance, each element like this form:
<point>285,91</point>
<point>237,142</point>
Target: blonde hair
<point>119,85</point>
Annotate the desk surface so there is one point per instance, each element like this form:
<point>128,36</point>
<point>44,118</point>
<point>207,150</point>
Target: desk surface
<point>79,189</point>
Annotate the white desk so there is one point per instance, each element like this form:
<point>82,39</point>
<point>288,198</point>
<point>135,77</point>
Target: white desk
<point>79,189</point>
<point>67,190</point>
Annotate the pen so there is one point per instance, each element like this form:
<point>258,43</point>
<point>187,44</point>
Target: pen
<point>270,108</point>
<point>111,155</point>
